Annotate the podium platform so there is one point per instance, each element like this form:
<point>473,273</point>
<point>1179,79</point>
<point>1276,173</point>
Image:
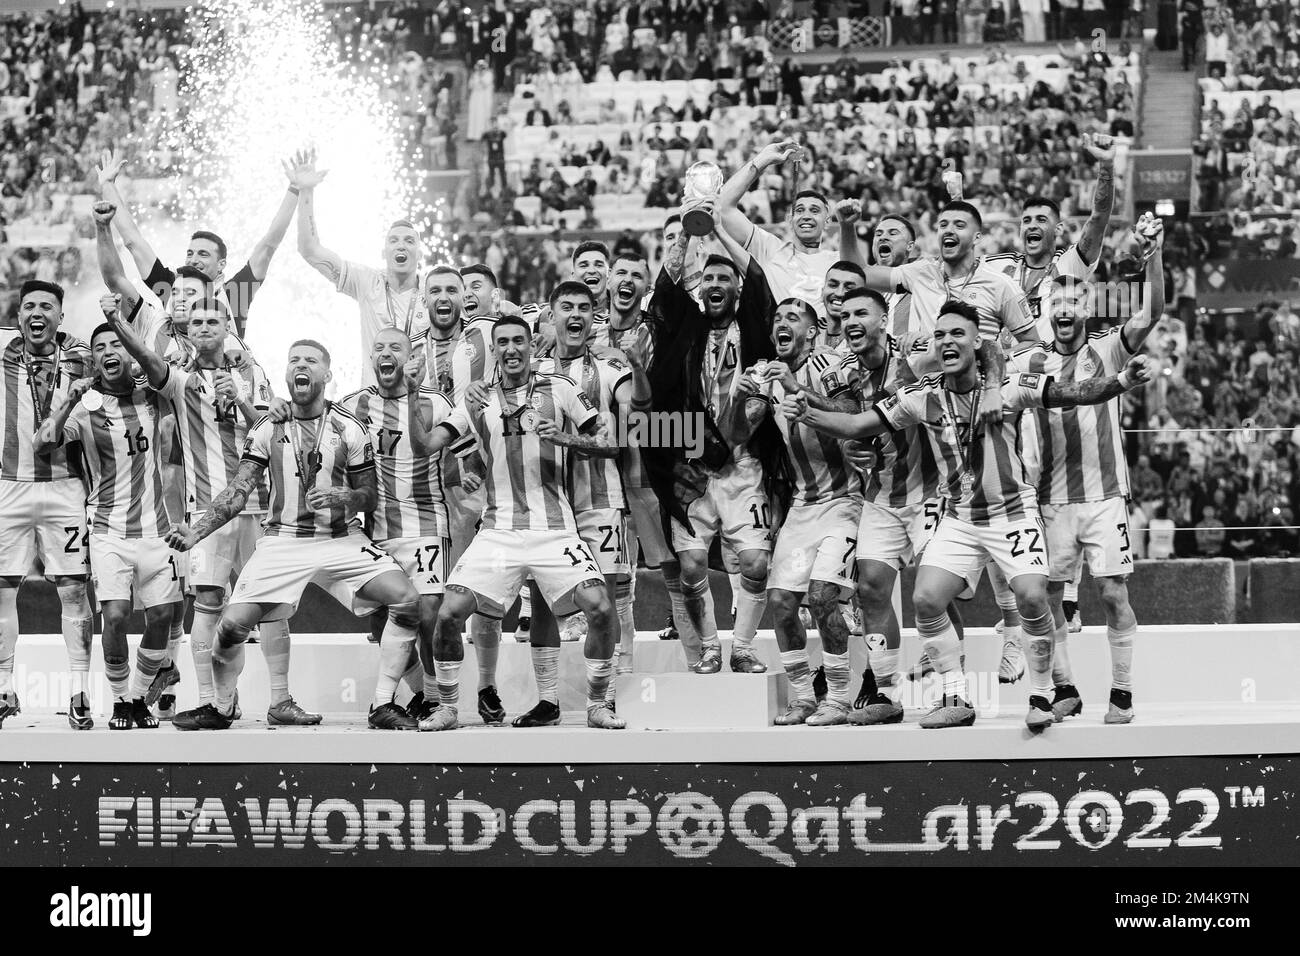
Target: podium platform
<point>1206,775</point>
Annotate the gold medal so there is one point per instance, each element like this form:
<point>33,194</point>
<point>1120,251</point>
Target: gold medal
<point>529,420</point>
<point>92,401</point>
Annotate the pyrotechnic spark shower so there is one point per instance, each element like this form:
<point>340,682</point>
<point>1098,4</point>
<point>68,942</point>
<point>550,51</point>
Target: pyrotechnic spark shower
<point>262,79</point>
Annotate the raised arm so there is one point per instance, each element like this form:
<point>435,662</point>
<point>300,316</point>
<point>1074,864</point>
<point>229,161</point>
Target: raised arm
<point>110,263</point>
<point>259,260</point>
<point>223,509</point>
<point>110,164</point>
<point>1139,326</point>
<point>50,433</point>
<point>153,365</point>
<point>1102,149</point>
<point>305,177</point>
<point>734,222</point>
<point>848,212</point>
<point>593,438</point>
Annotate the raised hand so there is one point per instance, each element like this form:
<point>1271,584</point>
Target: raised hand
<point>301,170</point>
<point>1100,147</point>
<point>1138,371</point>
<point>414,372</point>
<point>103,212</point>
<point>848,210</point>
<point>109,304</point>
<point>110,164</point>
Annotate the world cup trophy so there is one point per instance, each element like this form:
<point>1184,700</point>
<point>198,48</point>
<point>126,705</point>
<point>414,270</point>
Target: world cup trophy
<point>701,183</point>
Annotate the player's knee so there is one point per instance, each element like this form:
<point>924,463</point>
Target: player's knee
<point>116,614</point>
<point>753,569</point>
<point>231,633</point>
<point>160,616</point>
<point>875,588</point>
<point>928,605</point>
<point>1113,593</point>
<point>784,604</point>
<point>1031,597</point>
<point>694,565</point>
<point>406,614</point>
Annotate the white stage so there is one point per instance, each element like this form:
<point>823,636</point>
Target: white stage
<point>1222,690</point>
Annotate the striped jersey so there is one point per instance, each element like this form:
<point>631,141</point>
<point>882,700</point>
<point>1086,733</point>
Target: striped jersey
<point>211,433</point>
<point>593,483</point>
<point>1000,491</point>
<point>817,463</point>
<point>719,374</point>
<point>525,475</point>
<point>345,454</point>
<point>1081,449</point>
<point>30,386</point>
<point>121,453</point>
<point>164,338</point>
<point>1037,284</point>
<point>630,461</point>
<point>900,313</point>
<point>906,473</point>
<point>470,361</point>
<point>411,502</point>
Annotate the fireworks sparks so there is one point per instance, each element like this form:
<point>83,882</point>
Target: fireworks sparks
<point>262,79</point>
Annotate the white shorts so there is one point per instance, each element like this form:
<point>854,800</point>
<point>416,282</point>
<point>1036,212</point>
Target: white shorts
<point>733,505</point>
<point>647,525</point>
<point>221,555</point>
<point>45,519</point>
<point>497,562</point>
<point>1097,530</point>
<point>604,531</point>
<point>817,543</point>
<point>145,568</point>
<point>424,560</point>
<point>282,567</point>
<point>464,512</point>
<point>896,536</point>
<point>1016,547</point>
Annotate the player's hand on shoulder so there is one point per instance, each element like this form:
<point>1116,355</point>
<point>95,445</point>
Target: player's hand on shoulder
<point>280,410</point>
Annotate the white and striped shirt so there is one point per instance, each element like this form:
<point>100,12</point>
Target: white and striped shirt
<point>1036,285</point>
<point>26,380</point>
<point>1000,490</point>
<point>122,459</point>
<point>345,454</point>
<point>382,306</point>
<point>593,483</point>
<point>212,433</point>
<point>818,468</point>
<point>525,484</point>
<point>1082,448</point>
<point>411,501</point>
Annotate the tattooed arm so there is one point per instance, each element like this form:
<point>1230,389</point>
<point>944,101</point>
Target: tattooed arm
<point>594,439</point>
<point>359,495</point>
<point>225,507</point>
<point>1103,199</point>
<point>1095,391</point>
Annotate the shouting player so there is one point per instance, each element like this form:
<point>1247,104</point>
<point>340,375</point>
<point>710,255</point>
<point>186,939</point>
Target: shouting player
<point>990,510</point>
<point>1083,485</point>
<point>322,477</point>
<point>525,435</point>
<point>112,425</point>
<point>42,502</point>
<point>386,298</point>
<point>817,541</point>
<point>410,520</point>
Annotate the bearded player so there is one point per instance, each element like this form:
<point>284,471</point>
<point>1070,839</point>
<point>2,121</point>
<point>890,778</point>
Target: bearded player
<point>410,520</point>
<point>1083,485</point>
<point>322,477</point>
<point>816,543</point>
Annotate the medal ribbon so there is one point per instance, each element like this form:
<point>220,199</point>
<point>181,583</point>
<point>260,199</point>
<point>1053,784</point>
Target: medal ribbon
<point>308,467</point>
<point>42,407</point>
<point>965,449</point>
<point>410,309</point>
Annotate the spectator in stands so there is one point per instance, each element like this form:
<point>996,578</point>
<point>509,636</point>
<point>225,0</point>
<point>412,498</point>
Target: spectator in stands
<point>1218,50</point>
<point>1210,535</point>
<point>1160,532</point>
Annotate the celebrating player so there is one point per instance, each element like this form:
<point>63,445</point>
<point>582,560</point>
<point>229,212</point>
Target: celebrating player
<point>990,510</point>
<point>386,298</point>
<point>816,543</point>
<point>524,436</point>
<point>113,426</point>
<point>205,256</point>
<point>410,520</point>
<point>699,358</point>
<point>322,476</point>
<point>42,503</point>
<point>1083,485</point>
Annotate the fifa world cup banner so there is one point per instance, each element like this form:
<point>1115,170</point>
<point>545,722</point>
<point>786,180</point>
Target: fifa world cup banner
<point>1173,811</point>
